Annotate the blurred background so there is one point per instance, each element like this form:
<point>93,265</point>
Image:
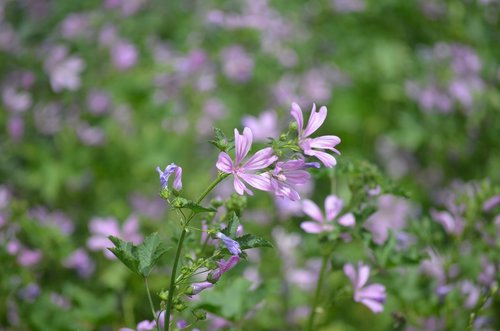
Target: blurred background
<point>95,94</point>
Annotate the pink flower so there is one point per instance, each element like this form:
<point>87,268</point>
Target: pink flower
<point>224,266</point>
<point>320,223</point>
<point>260,160</point>
<point>285,175</point>
<point>373,296</point>
<point>320,143</point>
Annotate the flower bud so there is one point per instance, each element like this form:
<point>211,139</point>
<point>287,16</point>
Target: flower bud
<point>163,295</point>
<point>165,193</point>
<point>199,314</point>
<point>179,202</point>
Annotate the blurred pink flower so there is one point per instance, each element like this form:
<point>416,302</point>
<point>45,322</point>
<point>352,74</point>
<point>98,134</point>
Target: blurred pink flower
<point>320,143</point>
<point>101,228</point>
<point>372,296</point>
<point>81,262</point>
<point>63,70</point>
<point>260,160</point>
<point>124,55</point>
<point>321,223</point>
<point>237,64</point>
<point>390,216</point>
<point>263,127</point>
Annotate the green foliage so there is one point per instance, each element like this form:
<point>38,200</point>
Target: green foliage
<point>142,258</point>
<point>248,241</point>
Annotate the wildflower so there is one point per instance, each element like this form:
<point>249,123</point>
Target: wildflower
<point>391,216</point>
<point>451,222</point>
<point>237,64</point>
<point>259,160</point>
<point>224,266</point>
<point>373,296</point>
<point>491,203</point>
<point>169,170</point>
<point>263,127</point>
<point>124,55</point>
<point>320,143</point>
<point>198,287</point>
<point>285,175</point>
<point>232,245</point>
<point>320,223</point>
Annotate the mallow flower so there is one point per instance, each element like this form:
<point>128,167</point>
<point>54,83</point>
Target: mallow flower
<point>198,287</point>
<point>223,267</point>
<point>246,172</point>
<point>372,296</point>
<point>287,174</point>
<point>232,246</point>
<point>315,146</point>
<point>172,168</point>
<point>324,223</point>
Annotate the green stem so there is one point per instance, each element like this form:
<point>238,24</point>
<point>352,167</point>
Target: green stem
<point>317,293</point>
<point>173,275</point>
<point>151,304</point>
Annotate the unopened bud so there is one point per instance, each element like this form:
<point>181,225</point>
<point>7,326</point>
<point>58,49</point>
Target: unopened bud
<point>199,314</point>
<point>165,193</point>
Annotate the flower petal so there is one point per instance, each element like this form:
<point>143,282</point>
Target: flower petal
<point>347,220</point>
<point>239,187</point>
<point>257,181</point>
<point>311,227</point>
<point>297,115</point>
<point>374,306</point>
<point>315,120</point>
<point>363,274</point>
<point>178,179</point>
<point>312,210</point>
<point>351,273</point>
<point>297,177</point>
<point>325,142</point>
<point>333,206</point>
<point>224,163</point>
<point>328,160</point>
<point>260,160</point>
<point>242,144</point>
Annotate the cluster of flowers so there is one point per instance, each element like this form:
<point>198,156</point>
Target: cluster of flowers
<point>280,180</point>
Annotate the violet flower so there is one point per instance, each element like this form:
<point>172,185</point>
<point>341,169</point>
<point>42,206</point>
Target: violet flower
<point>452,223</point>
<point>372,296</point>
<point>285,175</point>
<point>491,203</point>
<point>224,266</point>
<point>232,245</point>
<point>260,160</point>
<point>198,287</point>
<point>321,223</point>
<point>320,143</point>
<point>169,170</point>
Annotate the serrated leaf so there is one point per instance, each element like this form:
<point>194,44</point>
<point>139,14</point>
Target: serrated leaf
<point>149,252</point>
<point>232,227</point>
<point>199,208</point>
<point>126,252</point>
<point>252,241</point>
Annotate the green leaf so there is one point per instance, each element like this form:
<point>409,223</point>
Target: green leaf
<point>232,227</point>
<point>149,252</point>
<point>252,241</point>
<point>180,202</point>
<point>199,208</point>
<point>142,258</point>
<point>126,252</point>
